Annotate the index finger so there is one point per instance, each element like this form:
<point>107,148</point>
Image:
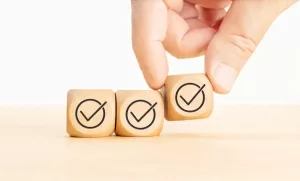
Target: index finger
<point>149,26</point>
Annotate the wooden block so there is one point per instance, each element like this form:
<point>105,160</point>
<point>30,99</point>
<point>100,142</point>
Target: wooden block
<point>140,113</point>
<point>91,113</point>
<point>187,97</point>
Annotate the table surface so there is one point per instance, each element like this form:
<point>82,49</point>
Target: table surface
<point>238,142</point>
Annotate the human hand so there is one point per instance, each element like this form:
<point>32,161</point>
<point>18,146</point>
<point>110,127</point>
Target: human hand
<point>189,28</point>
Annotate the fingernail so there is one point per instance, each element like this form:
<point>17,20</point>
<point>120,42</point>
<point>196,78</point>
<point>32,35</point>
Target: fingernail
<point>225,76</point>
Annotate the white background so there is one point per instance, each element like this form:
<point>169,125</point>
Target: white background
<point>48,47</point>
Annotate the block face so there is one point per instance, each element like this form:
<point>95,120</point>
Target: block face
<point>187,97</point>
<point>139,113</point>
<point>91,113</point>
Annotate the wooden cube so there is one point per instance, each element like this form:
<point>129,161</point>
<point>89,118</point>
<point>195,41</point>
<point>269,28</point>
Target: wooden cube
<point>91,113</point>
<point>187,97</point>
<point>140,113</point>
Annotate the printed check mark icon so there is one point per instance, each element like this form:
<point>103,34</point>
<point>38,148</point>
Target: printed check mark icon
<point>89,118</point>
<point>138,120</point>
<point>193,98</point>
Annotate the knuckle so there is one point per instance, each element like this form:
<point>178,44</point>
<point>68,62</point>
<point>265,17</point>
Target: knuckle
<point>244,45</point>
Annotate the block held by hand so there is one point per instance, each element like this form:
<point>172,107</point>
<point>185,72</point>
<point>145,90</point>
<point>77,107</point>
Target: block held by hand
<point>187,97</point>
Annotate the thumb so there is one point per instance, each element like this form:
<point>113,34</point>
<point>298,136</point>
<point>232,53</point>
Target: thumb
<point>239,34</point>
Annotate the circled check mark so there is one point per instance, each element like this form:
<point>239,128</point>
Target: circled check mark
<point>193,98</point>
<point>89,118</point>
<point>138,120</point>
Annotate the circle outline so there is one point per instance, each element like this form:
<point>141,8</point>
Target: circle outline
<point>78,120</point>
<point>140,128</point>
<point>193,110</point>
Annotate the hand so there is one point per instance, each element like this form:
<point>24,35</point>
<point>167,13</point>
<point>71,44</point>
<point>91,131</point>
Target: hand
<point>189,28</point>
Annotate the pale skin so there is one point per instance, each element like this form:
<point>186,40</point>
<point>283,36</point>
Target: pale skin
<point>191,28</point>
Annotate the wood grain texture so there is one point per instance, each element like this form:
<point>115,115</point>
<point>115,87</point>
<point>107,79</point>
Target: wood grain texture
<point>237,143</point>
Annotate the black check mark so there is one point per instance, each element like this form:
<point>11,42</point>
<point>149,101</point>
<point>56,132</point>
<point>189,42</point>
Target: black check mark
<point>89,118</point>
<point>189,102</point>
<point>138,120</point>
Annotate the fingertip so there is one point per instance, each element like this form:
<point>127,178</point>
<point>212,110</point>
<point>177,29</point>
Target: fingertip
<point>156,85</point>
<point>223,77</point>
<point>222,65</point>
<point>149,26</point>
<point>153,63</point>
<point>156,79</point>
<point>217,87</point>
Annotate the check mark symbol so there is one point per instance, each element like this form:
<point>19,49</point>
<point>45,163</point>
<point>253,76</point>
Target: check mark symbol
<point>89,118</point>
<point>138,120</point>
<point>193,98</point>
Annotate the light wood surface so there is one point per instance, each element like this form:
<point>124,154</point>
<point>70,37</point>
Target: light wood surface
<point>236,143</point>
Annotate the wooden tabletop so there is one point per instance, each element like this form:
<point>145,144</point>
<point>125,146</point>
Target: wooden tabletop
<point>236,143</point>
